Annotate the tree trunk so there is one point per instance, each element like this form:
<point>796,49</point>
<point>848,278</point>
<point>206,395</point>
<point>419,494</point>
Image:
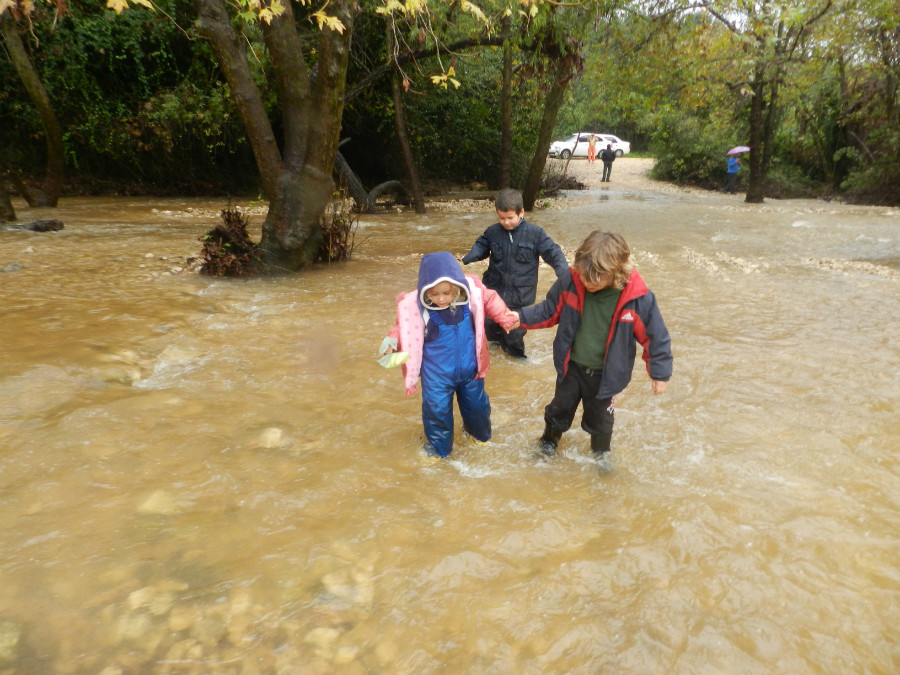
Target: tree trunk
<point>560,78</point>
<point>755,186</point>
<point>297,183</point>
<point>400,125</point>
<point>7,212</point>
<point>394,186</point>
<point>214,24</point>
<point>54,177</point>
<point>768,130</point>
<point>506,109</point>
<point>352,182</point>
<point>840,137</point>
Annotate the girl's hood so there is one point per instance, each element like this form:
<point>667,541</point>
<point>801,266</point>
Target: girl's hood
<point>438,267</point>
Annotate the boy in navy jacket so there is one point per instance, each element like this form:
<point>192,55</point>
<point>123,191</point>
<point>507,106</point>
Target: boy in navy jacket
<point>515,248</point>
<point>603,308</point>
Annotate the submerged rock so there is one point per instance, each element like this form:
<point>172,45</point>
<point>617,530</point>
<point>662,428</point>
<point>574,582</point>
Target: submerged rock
<point>271,438</point>
<point>50,225</point>
<point>159,503</point>
<point>10,634</point>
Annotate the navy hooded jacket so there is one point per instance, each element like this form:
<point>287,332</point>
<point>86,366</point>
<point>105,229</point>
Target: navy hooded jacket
<point>636,320</point>
<point>515,257</point>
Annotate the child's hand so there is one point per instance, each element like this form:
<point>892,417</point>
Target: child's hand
<point>659,387</point>
<point>388,346</point>
<point>510,320</point>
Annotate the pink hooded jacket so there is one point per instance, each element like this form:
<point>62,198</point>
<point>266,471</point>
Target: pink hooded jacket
<point>410,328</point>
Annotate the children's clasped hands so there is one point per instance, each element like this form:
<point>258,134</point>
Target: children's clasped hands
<point>510,321</point>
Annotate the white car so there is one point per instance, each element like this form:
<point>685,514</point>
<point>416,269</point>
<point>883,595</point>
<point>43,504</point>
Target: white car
<point>576,145</point>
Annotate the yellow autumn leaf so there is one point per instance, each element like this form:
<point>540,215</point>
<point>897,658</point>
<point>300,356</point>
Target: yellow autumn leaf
<point>390,7</point>
<point>332,22</point>
<point>474,10</point>
<point>118,6</point>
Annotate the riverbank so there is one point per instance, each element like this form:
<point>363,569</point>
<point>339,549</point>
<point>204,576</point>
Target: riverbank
<point>631,173</point>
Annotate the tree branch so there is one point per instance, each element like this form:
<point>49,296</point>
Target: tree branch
<point>386,69</point>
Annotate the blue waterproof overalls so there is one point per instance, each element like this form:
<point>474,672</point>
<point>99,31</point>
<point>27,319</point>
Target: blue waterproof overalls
<point>449,365</point>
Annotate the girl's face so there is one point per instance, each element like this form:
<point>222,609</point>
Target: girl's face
<point>442,294</point>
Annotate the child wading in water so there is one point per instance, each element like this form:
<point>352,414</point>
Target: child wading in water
<point>441,326</point>
<point>514,248</point>
<point>603,308</point>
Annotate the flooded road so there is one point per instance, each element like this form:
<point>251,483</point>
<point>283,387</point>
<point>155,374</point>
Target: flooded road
<point>214,476</point>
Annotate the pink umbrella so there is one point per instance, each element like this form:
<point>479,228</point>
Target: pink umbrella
<point>738,149</point>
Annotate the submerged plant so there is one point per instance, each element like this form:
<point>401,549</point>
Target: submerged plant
<point>339,222</point>
<point>227,249</point>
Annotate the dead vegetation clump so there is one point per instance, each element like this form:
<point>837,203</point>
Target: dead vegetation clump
<point>556,178</point>
<point>339,222</point>
<point>227,248</point>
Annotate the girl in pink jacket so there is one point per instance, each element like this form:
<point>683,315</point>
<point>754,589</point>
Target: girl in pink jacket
<point>441,326</point>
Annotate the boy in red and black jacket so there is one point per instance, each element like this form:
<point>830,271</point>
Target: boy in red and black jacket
<point>603,309</point>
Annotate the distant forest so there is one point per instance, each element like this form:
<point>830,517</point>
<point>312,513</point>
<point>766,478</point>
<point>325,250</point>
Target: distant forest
<point>143,104</point>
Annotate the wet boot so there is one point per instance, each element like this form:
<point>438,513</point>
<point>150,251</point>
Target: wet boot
<point>550,440</point>
<point>600,445</point>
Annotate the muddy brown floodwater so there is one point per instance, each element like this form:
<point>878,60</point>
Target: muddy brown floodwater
<point>214,476</point>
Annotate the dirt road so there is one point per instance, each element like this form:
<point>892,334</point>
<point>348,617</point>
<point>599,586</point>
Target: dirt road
<point>627,172</point>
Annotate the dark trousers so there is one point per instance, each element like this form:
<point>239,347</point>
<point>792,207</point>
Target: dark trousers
<point>512,343</point>
<point>580,385</point>
<point>607,169</point>
<point>731,186</point>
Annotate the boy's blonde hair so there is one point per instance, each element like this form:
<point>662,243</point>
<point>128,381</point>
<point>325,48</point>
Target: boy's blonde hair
<point>604,258</point>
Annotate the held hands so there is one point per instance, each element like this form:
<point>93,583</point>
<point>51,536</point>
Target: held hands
<point>510,321</point>
<point>659,387</point>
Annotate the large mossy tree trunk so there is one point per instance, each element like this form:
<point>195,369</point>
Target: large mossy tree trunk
<point>562,72</point>
<point>50,190</point>
<point>297,177</point>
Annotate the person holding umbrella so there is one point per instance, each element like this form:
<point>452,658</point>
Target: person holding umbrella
<point>734,165</point>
